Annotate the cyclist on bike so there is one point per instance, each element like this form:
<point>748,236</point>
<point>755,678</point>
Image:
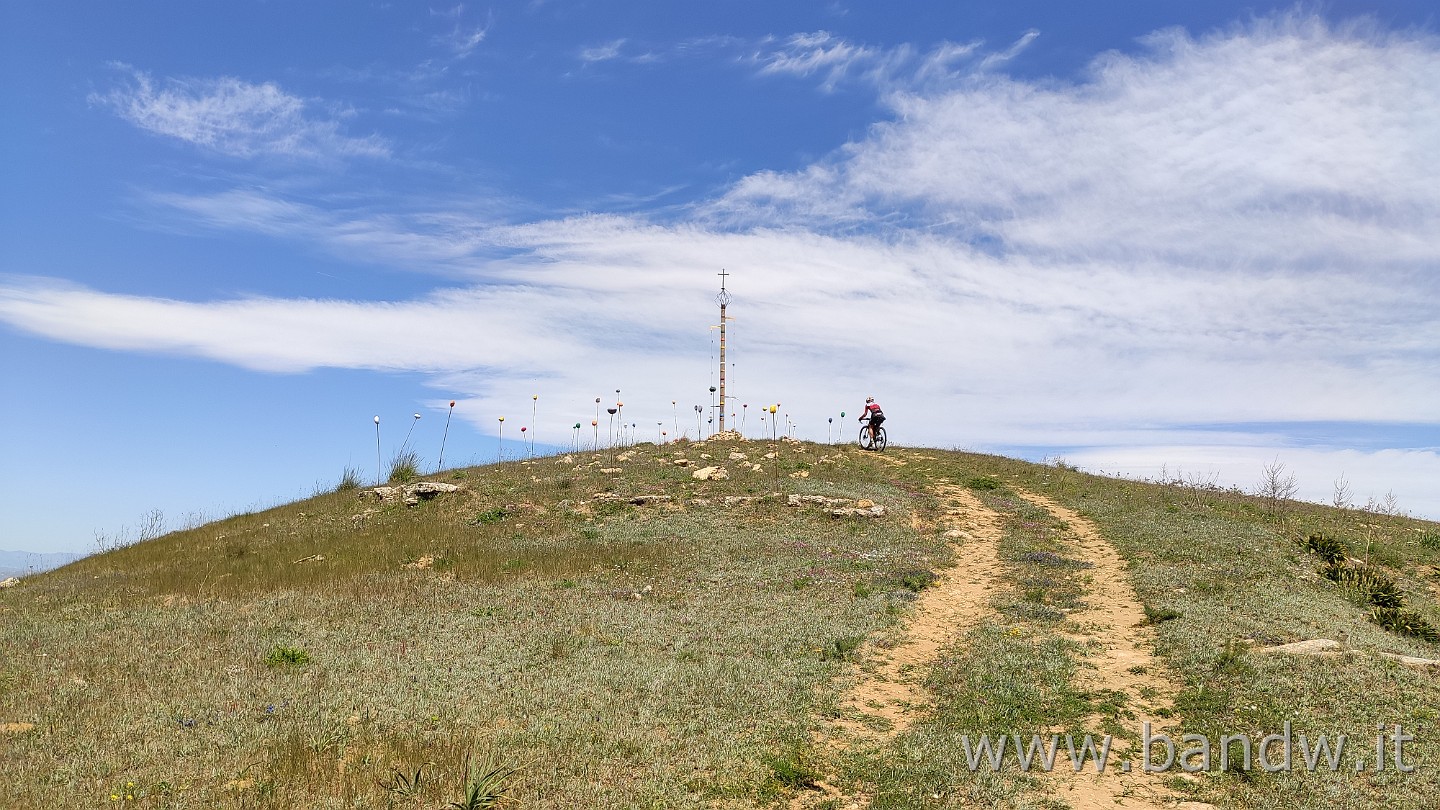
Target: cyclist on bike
<point>874,414</point>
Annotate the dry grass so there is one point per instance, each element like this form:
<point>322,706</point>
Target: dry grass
<point>618,655</point>
<point>673,654</point>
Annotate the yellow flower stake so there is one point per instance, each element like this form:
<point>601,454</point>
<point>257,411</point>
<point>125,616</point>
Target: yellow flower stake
<point>500,452</point>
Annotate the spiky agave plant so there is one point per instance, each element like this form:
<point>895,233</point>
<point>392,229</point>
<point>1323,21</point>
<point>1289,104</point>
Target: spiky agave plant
<point>485,786</point>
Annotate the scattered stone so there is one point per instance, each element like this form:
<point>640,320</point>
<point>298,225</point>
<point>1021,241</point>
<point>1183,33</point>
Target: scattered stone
<point>864,503</point>
<point>623,457</point>
<point>9,583</point>
<point>568,459</point>
<point>800,474</point>
<point>1422,664</point>
<point>705,455</point>
<point>818,500</point>
<point>736,455</point>
<point>16,728</point>
<point>769,455</point>
<point>956,534</point>
<point>855,511</point>
<point>1316,646</point>
<point>420,564</point>
<point>710,474</point>
<point>736,500</point>
<point>611,470</point>
<point>682,462</point>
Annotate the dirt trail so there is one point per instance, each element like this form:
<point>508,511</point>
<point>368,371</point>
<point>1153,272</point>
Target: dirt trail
<point>889,695</point>
<point>1112,629</point>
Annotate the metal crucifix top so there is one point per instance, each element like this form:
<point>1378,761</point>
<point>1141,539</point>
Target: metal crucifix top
<point>723,299</point>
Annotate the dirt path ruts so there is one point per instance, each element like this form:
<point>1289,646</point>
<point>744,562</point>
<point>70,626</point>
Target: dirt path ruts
<point>1112,629</point>
<point>888,695</point>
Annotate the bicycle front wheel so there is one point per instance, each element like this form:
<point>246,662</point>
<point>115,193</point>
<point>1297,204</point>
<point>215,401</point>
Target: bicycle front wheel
<point>880,440</point>
<point>867,442</point>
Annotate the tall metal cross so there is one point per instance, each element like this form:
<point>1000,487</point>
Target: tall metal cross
<point>723,299</point>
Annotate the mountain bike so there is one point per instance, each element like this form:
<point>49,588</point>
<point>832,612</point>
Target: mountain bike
<point>872,440</point>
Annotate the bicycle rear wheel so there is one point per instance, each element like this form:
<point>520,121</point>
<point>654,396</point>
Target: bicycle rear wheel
<point>880,440</point>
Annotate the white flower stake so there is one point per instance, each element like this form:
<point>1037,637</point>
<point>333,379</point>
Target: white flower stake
<point>534,407</point>
<point>413,422</point>
<point>500,451</point>
<point>377,449</point>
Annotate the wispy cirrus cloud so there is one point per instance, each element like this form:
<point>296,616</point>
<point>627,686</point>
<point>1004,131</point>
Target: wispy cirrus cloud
<point>1289,144</point>
<point>818,53</point>
<point>233,117</point>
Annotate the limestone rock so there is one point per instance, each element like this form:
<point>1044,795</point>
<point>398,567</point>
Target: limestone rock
<point>9,583</point>
<point>855,511</point>
<point>818,500</point>
<point>412,494</point>
<point>710,474</point>
<point>1315,646</point>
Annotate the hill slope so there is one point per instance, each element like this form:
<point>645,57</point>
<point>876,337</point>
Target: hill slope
<point>625,634</point>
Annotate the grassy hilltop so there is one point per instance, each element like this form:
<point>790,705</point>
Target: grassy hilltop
<point>588,646</point>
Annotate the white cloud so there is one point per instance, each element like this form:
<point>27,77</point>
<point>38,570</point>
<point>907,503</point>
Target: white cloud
<point>1289,144</point>
<point>602,53</point>
<point>235,118</point>
<point>1237,228</point>
<point>811,53</point>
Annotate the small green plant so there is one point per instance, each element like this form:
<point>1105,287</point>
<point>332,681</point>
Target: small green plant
<point>916,581</point>
<point>485,786</point>
<point>349,480</point>
<point>863,589</point>
<point>983,482</point>
<point>841,649</point>
<point>1155,615</point>
<point>283,656</point>
<point>1374,587</point>
<point>402,785</point>
<point>1328,548</point>
<point>792,769</point>
<point>489,516</point>
<point>1231,660</point>
<point>404,467</point>
<point>1405,622</point>
<point>1430,540</point>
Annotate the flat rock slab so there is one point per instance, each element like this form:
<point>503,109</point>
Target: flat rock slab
<point>1315,646</point>
<point>412,494</point>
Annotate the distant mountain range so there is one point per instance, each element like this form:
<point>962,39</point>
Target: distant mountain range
<point>21,563</point>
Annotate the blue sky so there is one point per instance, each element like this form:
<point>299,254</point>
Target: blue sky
<point>1197,236</point>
